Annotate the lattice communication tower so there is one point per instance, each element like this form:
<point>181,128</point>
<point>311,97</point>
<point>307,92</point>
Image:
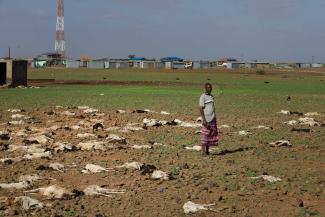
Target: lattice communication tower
<point>59,39</point>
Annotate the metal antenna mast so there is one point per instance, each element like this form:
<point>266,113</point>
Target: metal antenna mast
<point>59,39</point>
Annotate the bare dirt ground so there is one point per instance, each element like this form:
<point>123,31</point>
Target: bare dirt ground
<point>223,178</point>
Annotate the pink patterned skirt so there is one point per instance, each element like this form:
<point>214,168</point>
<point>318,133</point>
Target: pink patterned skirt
<point>209,134</point>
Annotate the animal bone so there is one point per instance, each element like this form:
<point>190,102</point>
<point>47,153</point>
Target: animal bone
<point>281,143</point>
<point>29,203</point>
<point>92,168</point>
<point>158,174</point>
<point>52,192</point>
<point>57,166</point>
<point>93,190</point>
<point>190,207</point>
<point>267,178</point>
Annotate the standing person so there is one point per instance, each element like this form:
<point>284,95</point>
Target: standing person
<point>209,132</point>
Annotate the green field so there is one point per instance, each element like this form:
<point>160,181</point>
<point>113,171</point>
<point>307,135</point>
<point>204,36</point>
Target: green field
<point>177,91</point>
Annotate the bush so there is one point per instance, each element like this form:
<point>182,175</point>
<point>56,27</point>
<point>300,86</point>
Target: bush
<point>260,72</point>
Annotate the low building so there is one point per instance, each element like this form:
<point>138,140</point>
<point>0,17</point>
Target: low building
<point>13,73</point>
<point>174,65</point>
<point>97,64</point>
<point>73,63</point>
<point>116,64</point>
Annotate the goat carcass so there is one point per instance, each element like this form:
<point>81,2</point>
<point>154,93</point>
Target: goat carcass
<point>29,203</point>
<point>92,168</point>
<point>158,174</point>
<point>52,192</point>
<point>93,190</point>
<point>190,207</point>
<point>131,165</point>
<point>281,143</point>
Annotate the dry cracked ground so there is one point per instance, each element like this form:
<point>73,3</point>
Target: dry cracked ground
<point>79,161</point>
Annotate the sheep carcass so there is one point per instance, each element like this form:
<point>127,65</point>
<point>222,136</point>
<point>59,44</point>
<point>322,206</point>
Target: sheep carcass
<point>92,168</point>
<point>158,174</point>
<point>131,165</point>
<point>93,190</point>
<point>52,192</point>
<point>29,203</point>
<point>190,207</point>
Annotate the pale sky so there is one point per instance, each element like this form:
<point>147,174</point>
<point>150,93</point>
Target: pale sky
<point>274,30</point>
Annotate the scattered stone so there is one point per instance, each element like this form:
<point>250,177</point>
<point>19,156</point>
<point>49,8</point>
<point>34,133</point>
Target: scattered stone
<point>19,116</point>
<point>90,111</point>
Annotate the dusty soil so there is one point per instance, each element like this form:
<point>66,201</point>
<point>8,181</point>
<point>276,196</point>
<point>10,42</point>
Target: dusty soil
<point>222,178</point>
